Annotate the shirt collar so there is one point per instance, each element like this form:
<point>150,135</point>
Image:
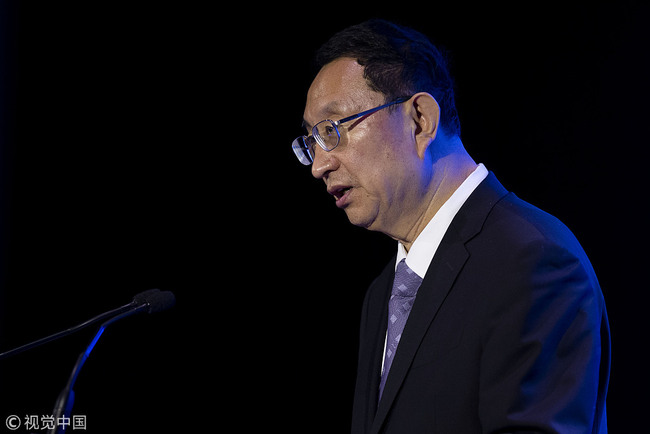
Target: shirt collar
<point>425,245</point>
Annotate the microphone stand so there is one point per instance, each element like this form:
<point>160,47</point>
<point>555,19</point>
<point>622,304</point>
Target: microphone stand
<point>65,401</point>
<point>151,301</point>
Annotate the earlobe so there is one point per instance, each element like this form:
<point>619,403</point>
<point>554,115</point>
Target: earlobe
<point>426,115</point>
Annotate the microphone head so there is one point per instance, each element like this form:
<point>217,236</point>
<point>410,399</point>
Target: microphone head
<point>156,299</point>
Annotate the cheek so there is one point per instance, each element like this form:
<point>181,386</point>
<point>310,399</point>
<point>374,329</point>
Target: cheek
<point>385,170</point>
<point>379,157</point>
<point>371,168</point>
<point>378,151</point>
<point>380,195</point>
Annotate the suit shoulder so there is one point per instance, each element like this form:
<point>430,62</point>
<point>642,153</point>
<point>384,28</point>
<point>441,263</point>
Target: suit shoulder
<point>519,223</point>
<point>520,237</point>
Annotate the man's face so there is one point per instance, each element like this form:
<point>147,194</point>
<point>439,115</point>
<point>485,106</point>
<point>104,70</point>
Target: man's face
<point>373,173</point>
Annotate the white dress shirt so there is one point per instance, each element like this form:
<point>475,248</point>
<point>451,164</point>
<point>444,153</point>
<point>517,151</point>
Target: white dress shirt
<point>425,245</point>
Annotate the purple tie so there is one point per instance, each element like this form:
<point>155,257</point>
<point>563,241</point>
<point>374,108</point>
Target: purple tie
<point>405,287</point>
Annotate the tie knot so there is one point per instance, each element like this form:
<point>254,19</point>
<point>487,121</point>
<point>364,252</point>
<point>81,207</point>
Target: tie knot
<point>406,282</point>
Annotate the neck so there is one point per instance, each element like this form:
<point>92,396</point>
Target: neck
<point>448,174</point>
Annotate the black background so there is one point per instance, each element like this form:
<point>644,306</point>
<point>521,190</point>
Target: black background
<point>147,145</point>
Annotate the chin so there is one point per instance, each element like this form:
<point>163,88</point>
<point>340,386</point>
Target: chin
<point>362,218</point>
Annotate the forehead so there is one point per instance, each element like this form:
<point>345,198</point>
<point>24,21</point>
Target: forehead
<point>338,89</point>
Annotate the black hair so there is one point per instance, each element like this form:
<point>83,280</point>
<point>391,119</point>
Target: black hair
<point>398,62</point>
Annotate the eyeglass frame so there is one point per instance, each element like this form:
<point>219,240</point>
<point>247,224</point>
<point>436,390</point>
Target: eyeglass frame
<point>302,143</point>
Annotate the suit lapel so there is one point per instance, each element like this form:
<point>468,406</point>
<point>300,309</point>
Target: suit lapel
<point>438,282</point>
<point>371,348</point>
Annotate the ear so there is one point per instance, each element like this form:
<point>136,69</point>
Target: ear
<point>425,112</point>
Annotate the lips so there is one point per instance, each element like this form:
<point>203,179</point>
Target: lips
<point>341,193</point>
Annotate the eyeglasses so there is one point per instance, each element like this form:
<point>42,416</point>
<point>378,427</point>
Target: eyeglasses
<point>326,133</point>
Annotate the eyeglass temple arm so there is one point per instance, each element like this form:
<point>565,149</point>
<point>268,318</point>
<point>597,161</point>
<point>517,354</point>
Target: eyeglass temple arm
<point>372,110</point>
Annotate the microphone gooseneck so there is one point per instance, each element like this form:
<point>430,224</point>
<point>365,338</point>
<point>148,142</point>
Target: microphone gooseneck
<point>63,333</point>
<point>152,300</point>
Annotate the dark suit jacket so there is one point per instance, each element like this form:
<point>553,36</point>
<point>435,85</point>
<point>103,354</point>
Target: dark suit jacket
<point>508,332</point>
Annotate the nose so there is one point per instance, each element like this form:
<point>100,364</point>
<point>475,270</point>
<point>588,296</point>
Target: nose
<point>324,163</point>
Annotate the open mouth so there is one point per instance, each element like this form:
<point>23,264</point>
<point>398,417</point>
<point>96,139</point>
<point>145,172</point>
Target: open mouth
<point>341,194</point>
<point>338,194</point>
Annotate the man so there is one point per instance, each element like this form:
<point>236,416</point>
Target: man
<point>489,319</point>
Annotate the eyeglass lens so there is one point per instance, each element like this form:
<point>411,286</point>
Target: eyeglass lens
<point>327,135</point>
<point>303,150</point>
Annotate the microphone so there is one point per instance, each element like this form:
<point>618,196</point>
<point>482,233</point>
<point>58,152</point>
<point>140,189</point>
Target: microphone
<point>151,301</point>
<point>155,300</point>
